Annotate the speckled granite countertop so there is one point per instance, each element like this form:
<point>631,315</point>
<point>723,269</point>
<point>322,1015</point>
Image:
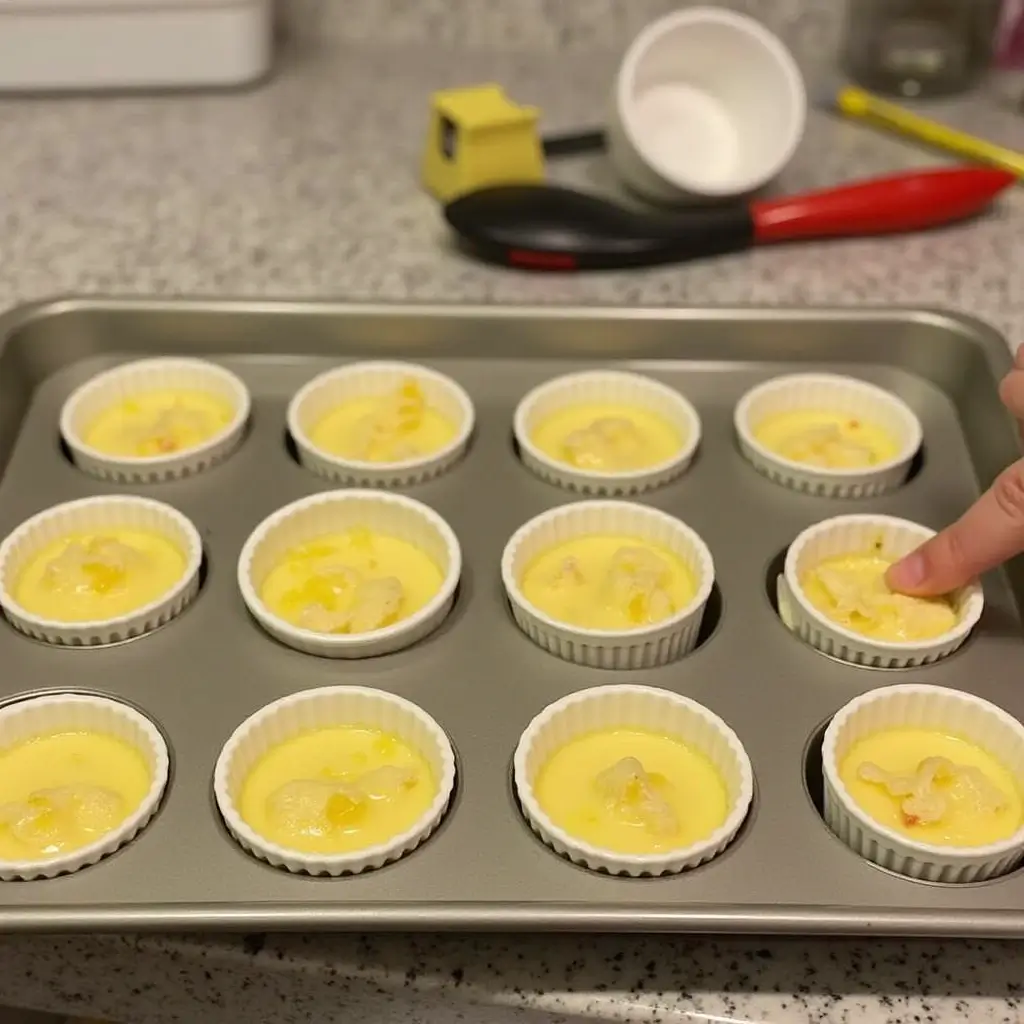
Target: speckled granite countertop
<point>306,187</point>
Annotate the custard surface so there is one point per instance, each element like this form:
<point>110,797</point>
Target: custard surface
<point>64,790</point>
<point>337,790</point>
<point>607,438</point>
<point>152,424</point>
<point>632,791</point>
<point>351,582</point>
<point>971,800</point>
<point>89,577</point>
<point>394,427</point>
<point>852,592</point>
<point>827,440</point>
<point>608,583</point>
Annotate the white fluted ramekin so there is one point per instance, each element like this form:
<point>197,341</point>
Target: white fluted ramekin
<point>644,647</point>
<point>328,707</point>
<point>887,537</point>
<point>612,387</point>
<point>355,381</point>
<point>96,515</point>
<point>128,381</point>
<point>40,716</point>
<point>834,393</point>
<point>335,512</point>
<point>636,707</point>
<point>920,707</point>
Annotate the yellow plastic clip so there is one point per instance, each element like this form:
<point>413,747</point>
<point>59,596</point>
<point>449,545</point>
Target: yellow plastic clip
<point>479,137</point>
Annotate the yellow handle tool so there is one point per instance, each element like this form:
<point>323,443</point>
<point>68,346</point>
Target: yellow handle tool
<point>857,103</point>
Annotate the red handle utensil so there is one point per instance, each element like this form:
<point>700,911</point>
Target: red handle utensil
<point>547,227</point>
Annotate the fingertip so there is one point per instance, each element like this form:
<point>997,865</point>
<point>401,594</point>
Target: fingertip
<point>1018,357</point>
<point>908,575</point>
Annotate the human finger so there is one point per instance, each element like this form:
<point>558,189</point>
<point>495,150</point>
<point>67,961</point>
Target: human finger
<point>989,533</point>
<point>1011,393</point>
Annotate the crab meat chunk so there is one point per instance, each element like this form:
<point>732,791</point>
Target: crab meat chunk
<point>925,796</point>
<point>608,443</point>
<point>318,807</point>
<point>45,817</point>
<point>376,604</point>
<point>387,782</point>
<point>871,600</point>
<point>568,574</point>
<point>630,793</point>
<point>383,434</point>
<point>827,447</point>
<point>96,566</point>
<point>169,431</point>
<point>638,581</point>
<point>347,603</point>
<point>852,593</point>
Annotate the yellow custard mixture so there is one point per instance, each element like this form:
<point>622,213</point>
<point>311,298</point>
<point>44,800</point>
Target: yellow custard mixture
<point>607,438</point>
<point>632,791</point>
<point>351,582</point>
<point>65,790</point>
<point>851,591</point>
<point>152,424</point>
<point>610,583</point>
<point>337,790</point>
<point>90,577</point>
<point>828,440</point>
<point>393,427</point>
<point>933,787</point>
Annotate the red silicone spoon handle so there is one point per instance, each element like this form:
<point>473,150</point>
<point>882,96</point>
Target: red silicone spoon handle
<point>901,202</point>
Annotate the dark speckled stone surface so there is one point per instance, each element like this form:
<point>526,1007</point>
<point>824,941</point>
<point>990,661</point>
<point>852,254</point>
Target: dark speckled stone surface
<point>499,979</point>
<point>307,187</point>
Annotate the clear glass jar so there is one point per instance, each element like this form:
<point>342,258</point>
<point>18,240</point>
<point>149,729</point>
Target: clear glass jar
<point>919,47</point>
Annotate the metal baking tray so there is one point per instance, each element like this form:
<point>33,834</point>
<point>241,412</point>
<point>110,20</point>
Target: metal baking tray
<point>478,675</point>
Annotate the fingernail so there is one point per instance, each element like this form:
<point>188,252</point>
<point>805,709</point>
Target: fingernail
<point>910,572</point>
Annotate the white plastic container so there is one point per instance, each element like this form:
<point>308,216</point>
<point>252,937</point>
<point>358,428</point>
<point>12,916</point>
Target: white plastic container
<point>133,44</point>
